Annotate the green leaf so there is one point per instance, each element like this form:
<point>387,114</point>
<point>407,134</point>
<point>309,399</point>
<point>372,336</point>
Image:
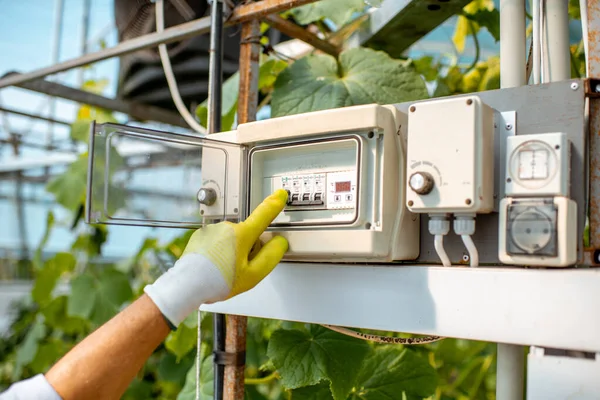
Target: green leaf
<point>82,297</point>
<point>80,128</point>
<point>206,379</point>
<point>91,242</point>
<point>27,351</point>
<point>574,10</point>
<point>268,73</point>
<point>69,188</point>
<point>56,316</point>
<point>338,11</point>
<point>317,392</point>
<point>390,371</point>
<point>47,355</point>
<point>138,389</point>
<point>426,67</point>
<point>491,78</point>
<point>182,341</point>
<point>362,76</point>
<point>112,290</point>
<point>99,298</point>
<point>489,19</point>
<point>48,276</point>
<point>37,258</point>
<point>307,358</point>
<point>252,393</point>
<point>173,370</point>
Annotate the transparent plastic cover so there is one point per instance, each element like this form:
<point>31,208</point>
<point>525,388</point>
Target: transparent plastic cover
<point>149,178</point>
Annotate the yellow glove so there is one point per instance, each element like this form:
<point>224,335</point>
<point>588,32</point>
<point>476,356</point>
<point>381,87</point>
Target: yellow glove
<point>220,261</point>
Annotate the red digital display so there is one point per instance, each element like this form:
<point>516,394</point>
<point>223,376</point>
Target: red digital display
<point>342,186</point>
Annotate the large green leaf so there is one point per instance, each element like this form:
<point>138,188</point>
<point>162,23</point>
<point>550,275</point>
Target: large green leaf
<point>69,188</point>
<point>316,392</point>
<point>362,76</point>
<point>182,341</point>
<point>306,358</point>
<point>99,298</point>
<point>82,297</point>
<point>48,276</point>
<point>268,72</point>
<point>29,348</point>
<point>338,11</point>
<point>173,370</point>
<point>489,19</point>
<point>206,379</point>
<point>56,316</point>
<point>389,372</point>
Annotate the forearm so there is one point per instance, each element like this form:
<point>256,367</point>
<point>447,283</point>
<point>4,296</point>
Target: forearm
<point>103,364</point>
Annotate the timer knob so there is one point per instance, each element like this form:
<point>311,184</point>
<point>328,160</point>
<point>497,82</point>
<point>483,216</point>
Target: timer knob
<point>207,196</point>
<point>421,182</point>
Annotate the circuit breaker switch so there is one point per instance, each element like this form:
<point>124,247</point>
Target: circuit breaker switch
<point>207,196</point>
<point>421,182</point>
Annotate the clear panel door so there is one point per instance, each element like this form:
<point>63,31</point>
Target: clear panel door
<point>149,178</point>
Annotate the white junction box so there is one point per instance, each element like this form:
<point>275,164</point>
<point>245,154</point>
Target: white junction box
<point>450,156</point>
<point>538,221</point>
<point>344,171</point>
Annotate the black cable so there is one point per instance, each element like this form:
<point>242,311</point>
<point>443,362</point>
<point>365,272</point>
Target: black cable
<point>215,81</point>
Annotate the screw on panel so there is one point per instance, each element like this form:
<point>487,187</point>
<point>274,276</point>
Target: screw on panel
<point>557,147</point>
<point>508,180</point>
<point>469,102</point>
<point>371,134</point>
<point>508,127</point>
<point>368,225</point>
<point>574,85</point>
<point>413,109</point>
<point>235,210</point>
<point>466,258</point>
<point>410,203</point>
<point>468,201</point>
<point>597,88</point>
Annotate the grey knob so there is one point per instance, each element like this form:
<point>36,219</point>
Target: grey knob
<point>421,182</point>
<point>207,196</point>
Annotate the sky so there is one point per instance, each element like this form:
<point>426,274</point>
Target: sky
<point>26,43</point>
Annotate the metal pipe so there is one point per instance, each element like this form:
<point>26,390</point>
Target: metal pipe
<point>177,33</point>
<point>557,65</point>
<point>215,91</point>
<point>510,358</point>
<point>512,43</point>
<point>297,32</point>
<point>247,107</point>
<point>138,111</point>
<point>55,56</point>
<point>85,23</point>
<point>34,116</point>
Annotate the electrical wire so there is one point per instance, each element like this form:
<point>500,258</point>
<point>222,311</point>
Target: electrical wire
<point>383,339</point>
<point>438,243</point>
<point>199,355</point>
<point>471,249</point>
<point>171,81</point>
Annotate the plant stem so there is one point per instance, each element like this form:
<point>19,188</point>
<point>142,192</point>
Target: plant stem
<point>261,381</point>
<point>477,47</point>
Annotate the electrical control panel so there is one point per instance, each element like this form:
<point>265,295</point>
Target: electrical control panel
<point>450,156</point>
<point>344,171</point>
<point>538,220</point>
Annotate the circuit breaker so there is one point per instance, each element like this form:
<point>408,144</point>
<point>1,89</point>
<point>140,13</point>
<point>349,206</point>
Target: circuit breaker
<point>344,170</point>
<point>538,220</point>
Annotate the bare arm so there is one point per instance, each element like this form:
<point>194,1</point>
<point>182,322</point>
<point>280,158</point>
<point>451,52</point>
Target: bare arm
<point>104,363</point>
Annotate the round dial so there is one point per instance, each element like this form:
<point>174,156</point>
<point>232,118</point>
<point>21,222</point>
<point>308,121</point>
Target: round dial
<point>207,196</point>
<point>533,164</point>
<point>421,182</point>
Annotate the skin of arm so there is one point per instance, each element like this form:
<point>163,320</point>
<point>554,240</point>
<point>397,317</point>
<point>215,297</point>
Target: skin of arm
<point>104,363</point>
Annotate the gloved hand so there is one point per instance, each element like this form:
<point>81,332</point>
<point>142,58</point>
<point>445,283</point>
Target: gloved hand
<point>219,262</point>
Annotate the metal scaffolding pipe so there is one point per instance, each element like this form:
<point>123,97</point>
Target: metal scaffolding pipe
<point>176,33</point>
<point>557,65</point>
<point>138,111</point>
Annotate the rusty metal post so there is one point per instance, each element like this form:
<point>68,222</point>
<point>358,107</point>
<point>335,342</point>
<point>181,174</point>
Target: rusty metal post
<point>235,341</point>
<point>593,36</point>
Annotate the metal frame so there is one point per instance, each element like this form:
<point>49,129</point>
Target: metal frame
<point>451,300</point>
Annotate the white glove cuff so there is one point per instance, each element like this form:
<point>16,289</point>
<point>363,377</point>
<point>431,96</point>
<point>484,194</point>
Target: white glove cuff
<point>191,282</point>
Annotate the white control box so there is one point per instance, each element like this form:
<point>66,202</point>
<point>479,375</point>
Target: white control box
<point>538,165</point>
<point>450,156</point>
<point>538,231</point>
